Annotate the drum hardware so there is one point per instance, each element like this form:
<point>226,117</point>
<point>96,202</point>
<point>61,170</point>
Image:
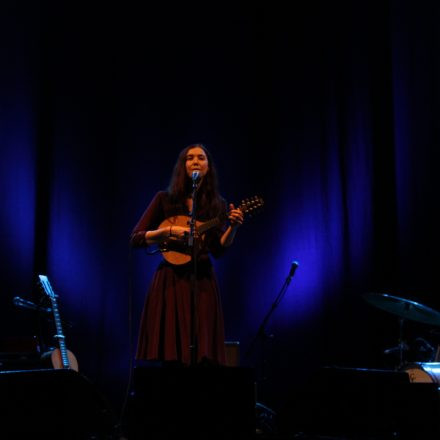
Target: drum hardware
<point>402,346</point>
<point>425,348</point>
<point>423,372</point>
<point>406,310</point>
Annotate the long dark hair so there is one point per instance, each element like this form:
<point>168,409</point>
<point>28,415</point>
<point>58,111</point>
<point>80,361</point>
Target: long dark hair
<point>209,201</point>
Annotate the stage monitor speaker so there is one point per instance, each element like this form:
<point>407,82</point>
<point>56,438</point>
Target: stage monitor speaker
<point>363,404</point>
<point>53,404</point>
<point>194,402</point>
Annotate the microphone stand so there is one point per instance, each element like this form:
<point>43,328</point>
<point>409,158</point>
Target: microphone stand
<point>261,333</point>
<point>191,238</point>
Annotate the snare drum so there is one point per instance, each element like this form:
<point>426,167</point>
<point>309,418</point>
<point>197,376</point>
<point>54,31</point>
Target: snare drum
<point>423,372</point>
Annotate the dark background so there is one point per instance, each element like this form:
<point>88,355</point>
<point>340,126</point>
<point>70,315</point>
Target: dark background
<point>327,110</point>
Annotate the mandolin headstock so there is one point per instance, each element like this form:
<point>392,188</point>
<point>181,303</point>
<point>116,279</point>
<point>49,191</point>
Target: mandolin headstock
<point>252,205</point>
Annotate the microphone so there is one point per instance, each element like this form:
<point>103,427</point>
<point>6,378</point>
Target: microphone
<point>195,176</point>
<point>293,268</point>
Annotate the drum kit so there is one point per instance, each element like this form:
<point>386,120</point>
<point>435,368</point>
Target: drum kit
<point>406,309</point>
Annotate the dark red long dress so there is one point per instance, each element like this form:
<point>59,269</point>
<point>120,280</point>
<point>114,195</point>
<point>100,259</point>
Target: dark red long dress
<point>165,326</point>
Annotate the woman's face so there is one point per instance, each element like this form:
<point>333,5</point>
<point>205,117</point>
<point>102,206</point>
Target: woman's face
<point>196,160</point>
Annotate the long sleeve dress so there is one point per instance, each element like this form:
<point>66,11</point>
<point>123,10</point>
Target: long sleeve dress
<point>165,325</point>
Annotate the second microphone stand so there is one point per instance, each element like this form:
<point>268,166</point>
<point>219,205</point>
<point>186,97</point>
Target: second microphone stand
<point>261,333</point>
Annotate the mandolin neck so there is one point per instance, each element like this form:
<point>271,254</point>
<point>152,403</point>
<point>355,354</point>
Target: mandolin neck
<point>208,225</point>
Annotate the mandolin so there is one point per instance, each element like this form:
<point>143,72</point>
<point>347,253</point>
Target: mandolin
<point>60,357</point>
<point>177,252</point>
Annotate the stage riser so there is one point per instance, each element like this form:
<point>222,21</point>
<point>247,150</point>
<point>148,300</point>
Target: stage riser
<point>209,403</point>
<point>352,403</point>
<point>53,404</point>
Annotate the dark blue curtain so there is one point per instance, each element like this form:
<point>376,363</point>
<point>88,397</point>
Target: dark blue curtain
<point>328,111</point>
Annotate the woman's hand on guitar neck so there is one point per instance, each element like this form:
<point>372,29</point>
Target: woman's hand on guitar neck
<point>235,216</point>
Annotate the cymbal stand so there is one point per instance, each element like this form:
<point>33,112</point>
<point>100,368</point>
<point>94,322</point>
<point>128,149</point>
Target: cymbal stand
<point>401,343</point>
<point>401,346</point>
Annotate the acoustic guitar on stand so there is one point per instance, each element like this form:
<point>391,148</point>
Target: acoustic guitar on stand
<point>177,252</point>
<point>60,357</point>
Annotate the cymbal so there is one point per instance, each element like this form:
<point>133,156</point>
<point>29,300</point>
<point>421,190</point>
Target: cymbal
<point>404,308</point>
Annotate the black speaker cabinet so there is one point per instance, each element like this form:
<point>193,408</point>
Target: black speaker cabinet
<point>363,404</point>
<point>193,402</point>
<point>53,404</point>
